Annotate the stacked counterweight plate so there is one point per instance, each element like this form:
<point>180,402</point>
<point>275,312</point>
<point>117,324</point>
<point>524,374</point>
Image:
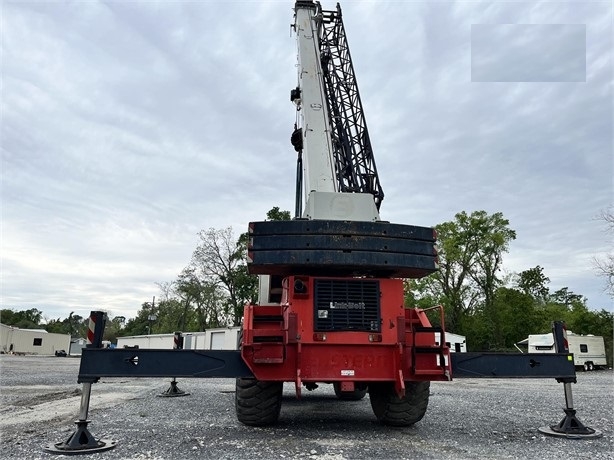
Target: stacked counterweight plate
<point>340,248</point>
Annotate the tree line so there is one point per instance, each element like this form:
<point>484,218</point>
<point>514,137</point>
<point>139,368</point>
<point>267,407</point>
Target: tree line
<point>493,310</point>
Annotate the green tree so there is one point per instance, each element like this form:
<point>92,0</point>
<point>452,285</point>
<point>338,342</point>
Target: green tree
<point>76,325</point>
<point>171,317</point>
<point>483,305</point>
<point>7,316</point>
<point>565,296</point>
<point>140,324</point>
<point>605,264</point>
<point>204,296</point>
<point>471,249</point>
<point>491,235</point>
<point>275,214</point>
<point>113,328</point>
<point>534,283</point>
<point>220,259</point>
<point>424,293</point>
<point>604,326</point>
<point>183,291</point>
<point>452,281</point>
<point>23,319</point>
<point>56,326</point>
<point>516,317</point>
<point>421,293</point>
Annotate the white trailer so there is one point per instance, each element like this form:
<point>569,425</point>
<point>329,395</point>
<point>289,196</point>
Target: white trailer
<point>223,338</point>
<point>588,350</point>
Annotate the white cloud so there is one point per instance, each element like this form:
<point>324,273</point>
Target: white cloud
<point>127,127</point>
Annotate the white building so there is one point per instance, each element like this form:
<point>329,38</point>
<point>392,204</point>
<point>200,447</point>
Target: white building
<point>457,343</point>
<point>76,345</point>
<point>31,341</point>
<point>225,338</point>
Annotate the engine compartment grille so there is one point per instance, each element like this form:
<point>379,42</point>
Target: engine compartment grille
<point>347,305</point>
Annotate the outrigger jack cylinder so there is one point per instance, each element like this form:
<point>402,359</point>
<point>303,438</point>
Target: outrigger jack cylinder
<point>82,441</point>
<point>569,426</point>
<point>173,390</point>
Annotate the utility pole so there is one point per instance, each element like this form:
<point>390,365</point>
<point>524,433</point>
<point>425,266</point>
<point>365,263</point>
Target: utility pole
<point>152,317</point>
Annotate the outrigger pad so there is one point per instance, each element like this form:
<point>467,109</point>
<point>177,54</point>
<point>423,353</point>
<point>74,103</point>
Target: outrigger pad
<point>570,427</point>
<point>80,442</point>
<point>334,247</point>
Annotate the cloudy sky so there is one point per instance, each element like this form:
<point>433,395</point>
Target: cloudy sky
<point>127,127</point>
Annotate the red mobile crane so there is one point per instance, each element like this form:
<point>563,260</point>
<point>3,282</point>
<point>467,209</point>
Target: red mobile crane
<point>331,305</point>
<point>331,292</point>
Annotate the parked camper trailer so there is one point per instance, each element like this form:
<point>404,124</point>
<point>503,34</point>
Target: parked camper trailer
<point>588,350</point>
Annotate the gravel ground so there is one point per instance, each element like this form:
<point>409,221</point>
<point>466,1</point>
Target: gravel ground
<point>467,419</point>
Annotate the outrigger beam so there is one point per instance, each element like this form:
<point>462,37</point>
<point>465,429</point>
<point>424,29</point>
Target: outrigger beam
<point>97,363</point>
<point>512,365</point>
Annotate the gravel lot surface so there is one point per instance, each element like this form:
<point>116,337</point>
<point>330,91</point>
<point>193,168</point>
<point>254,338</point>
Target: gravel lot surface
<point>467,419</point>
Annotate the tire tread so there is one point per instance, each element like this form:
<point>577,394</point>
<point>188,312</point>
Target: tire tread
<point>392,410</point>
<point>258,403</point>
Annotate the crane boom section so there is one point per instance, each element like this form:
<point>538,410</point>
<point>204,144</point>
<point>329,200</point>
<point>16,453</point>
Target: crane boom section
<point>338,172</point>
<point>318,166</point>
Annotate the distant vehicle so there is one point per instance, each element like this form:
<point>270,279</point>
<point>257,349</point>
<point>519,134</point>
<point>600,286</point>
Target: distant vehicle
<point>61,353</point>
<point>588,350</point>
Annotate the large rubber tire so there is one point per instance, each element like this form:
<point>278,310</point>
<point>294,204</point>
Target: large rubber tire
<point>355,395</point>
<point>392,410</point>
<point>258,403</point>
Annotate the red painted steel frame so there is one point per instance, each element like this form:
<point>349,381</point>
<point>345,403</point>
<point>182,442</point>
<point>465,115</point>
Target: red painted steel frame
<point>280,344</point>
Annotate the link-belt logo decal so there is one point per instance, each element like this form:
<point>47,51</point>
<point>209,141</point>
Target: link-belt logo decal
<point>347,305</point>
